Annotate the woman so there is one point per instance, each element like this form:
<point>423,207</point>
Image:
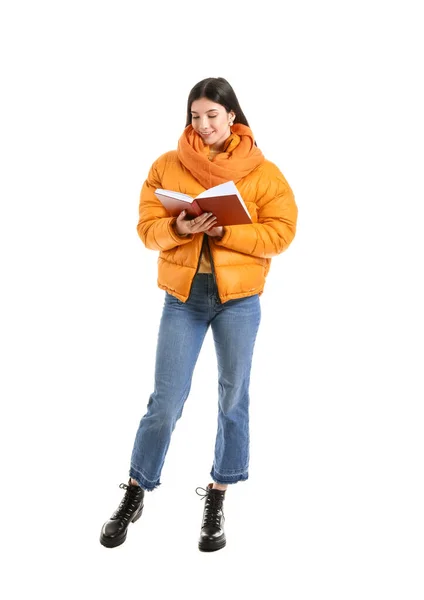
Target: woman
<point>212,276</point>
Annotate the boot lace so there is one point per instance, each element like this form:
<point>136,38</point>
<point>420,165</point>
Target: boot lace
<point>129,503</point>
<point>213,507</point>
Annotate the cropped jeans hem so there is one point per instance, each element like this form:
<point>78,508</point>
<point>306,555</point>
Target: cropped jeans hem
<point>142,481</point>
<point>228,477</point>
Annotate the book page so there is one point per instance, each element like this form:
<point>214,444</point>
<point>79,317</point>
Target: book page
<point>228,188</point>
<point>176,195</point>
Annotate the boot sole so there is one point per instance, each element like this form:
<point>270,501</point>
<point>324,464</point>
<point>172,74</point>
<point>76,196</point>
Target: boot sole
<point>205,547</point>
<point>117,541</point>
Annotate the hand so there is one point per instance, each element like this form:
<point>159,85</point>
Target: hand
<point>216,231</point>
<point>200,224</point>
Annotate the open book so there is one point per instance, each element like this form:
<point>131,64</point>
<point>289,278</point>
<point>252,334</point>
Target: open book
<point>223,200</point>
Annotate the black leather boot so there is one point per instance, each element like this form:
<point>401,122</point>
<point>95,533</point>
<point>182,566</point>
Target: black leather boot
<point>114,531</point>
<point>212,535</point>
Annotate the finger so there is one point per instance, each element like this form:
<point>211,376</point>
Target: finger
<point>200,220</point>
<point>204,226</point>
<point>203,217</point>
<point>210,217</point>
<point>210,222</point>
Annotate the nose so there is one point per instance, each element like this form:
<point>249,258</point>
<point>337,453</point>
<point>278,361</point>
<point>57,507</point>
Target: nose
<point>204,123</point>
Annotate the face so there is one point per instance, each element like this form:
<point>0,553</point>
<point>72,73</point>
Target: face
<point>210,121</point>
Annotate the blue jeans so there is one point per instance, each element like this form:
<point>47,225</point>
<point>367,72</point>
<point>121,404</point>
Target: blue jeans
<point>181,333</point>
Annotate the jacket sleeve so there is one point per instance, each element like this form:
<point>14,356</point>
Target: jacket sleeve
<point>155,226</point>
<point>276,225</point>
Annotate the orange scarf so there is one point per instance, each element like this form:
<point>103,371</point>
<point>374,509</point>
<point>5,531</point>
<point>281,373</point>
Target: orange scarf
<point>239,158</point>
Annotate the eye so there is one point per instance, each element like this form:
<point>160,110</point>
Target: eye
<point>210,116</point>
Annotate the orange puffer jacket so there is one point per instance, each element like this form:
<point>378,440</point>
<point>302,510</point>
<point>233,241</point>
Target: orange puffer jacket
<point>241,258</point>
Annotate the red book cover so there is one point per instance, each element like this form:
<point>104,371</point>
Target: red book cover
<point>223,200</point>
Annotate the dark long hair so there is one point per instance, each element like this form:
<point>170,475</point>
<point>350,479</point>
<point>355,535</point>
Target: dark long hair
<point>216,89</point>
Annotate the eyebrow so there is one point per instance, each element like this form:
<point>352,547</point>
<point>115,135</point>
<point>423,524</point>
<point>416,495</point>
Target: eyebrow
<point>210,110</point>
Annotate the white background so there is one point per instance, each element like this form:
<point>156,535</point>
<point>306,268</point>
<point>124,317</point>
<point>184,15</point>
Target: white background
<point>93,93</point>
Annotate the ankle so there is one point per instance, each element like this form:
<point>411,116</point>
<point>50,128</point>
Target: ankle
<point>133,481</point>
<point>219,486</point>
